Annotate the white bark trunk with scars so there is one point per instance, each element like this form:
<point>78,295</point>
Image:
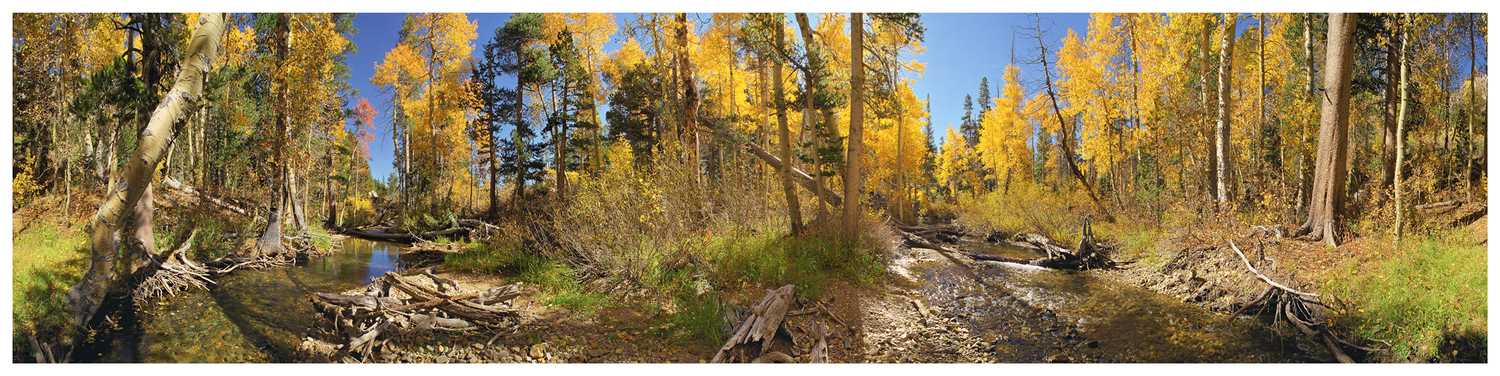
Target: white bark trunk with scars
<point>85,297</point>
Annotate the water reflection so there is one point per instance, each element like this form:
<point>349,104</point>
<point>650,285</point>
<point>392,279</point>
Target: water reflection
<point>258,315</point>
<point>1133,324</point>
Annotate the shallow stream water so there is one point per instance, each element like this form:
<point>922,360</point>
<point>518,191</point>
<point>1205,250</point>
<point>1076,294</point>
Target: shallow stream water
<point>1104,320</point>
<point>257,315</point>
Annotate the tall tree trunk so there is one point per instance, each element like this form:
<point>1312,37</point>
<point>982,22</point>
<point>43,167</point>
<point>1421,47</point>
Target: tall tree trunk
<point>270,240</point>
<point>494,168</point>
<point>516,140</point>
<point>1473,106</point>
<point>811,76</point>
<point>1388,113</point>
<point>1325,213</point>
<point>330,216</point>
<point>85,297</point>
<point>1401,124</point>
<point>1305,187</point>
<point>1223,159</point>
<point>560,141</point>
<point>689,95</point>
<point>1211,166</point>
<point>853,178</point>
<point>793,207</point>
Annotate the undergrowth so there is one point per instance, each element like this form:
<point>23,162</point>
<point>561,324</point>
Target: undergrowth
<point>1428,297</point>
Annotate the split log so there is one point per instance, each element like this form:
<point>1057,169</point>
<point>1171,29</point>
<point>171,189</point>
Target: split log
<point>819,353</point>
<point>765,327</point>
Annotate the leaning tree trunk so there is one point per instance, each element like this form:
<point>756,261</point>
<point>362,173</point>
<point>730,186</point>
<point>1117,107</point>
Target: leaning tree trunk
<point>1323,214</point>
<point>85,297</point>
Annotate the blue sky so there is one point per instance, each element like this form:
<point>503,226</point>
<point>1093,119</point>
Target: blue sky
<point>961,48</point>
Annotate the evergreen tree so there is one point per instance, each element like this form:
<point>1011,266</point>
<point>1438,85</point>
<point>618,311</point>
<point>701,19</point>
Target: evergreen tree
<point>984,97</point>
<point>968,125</point>
<point>520,155</point>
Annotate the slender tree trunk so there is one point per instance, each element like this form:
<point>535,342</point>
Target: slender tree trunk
<point>1325,213</point>
<point>560,139</point>
<point>517,141</point>
<point>1223,160</point>
<point>812,75</point>
<point>270,240</point>
<point>1210,164</point>
<point>853,179</point>
<point>1305,190</point>
<point>1260,101</point>
<point>1401,125</point>
<point>1473,106</point>
<point>1388,113</point>
<point>793,207</point>
<point>85,297</point>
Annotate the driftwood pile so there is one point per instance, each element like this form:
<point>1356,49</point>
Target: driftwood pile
<point>1089,254</point>
<point>394,304</point>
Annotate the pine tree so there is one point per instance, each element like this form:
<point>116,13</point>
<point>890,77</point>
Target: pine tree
<point>984,97</point>
<point>969,125</point>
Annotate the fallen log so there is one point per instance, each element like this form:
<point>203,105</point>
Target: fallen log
<point>1088,255</point>
<point>174,186</point>
<point>765,327</point>
<point>803,178</point>
<point>405,237</point>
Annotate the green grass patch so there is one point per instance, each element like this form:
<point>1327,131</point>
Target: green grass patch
<point>48,259</point>
<point>556,280</point>
<point>768,259</point>
<point>700,317</point>
<point>1424,298</point>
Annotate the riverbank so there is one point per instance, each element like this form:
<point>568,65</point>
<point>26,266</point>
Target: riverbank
<point>1423,300</point>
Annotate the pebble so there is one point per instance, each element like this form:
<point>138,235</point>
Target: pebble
<point>539,351</point>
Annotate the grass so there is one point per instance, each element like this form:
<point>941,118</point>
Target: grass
<point>557,280</point>
<point>769,259</point>
<point>48,259</point>
<point>743,260</point>
<point>1425,298</point>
